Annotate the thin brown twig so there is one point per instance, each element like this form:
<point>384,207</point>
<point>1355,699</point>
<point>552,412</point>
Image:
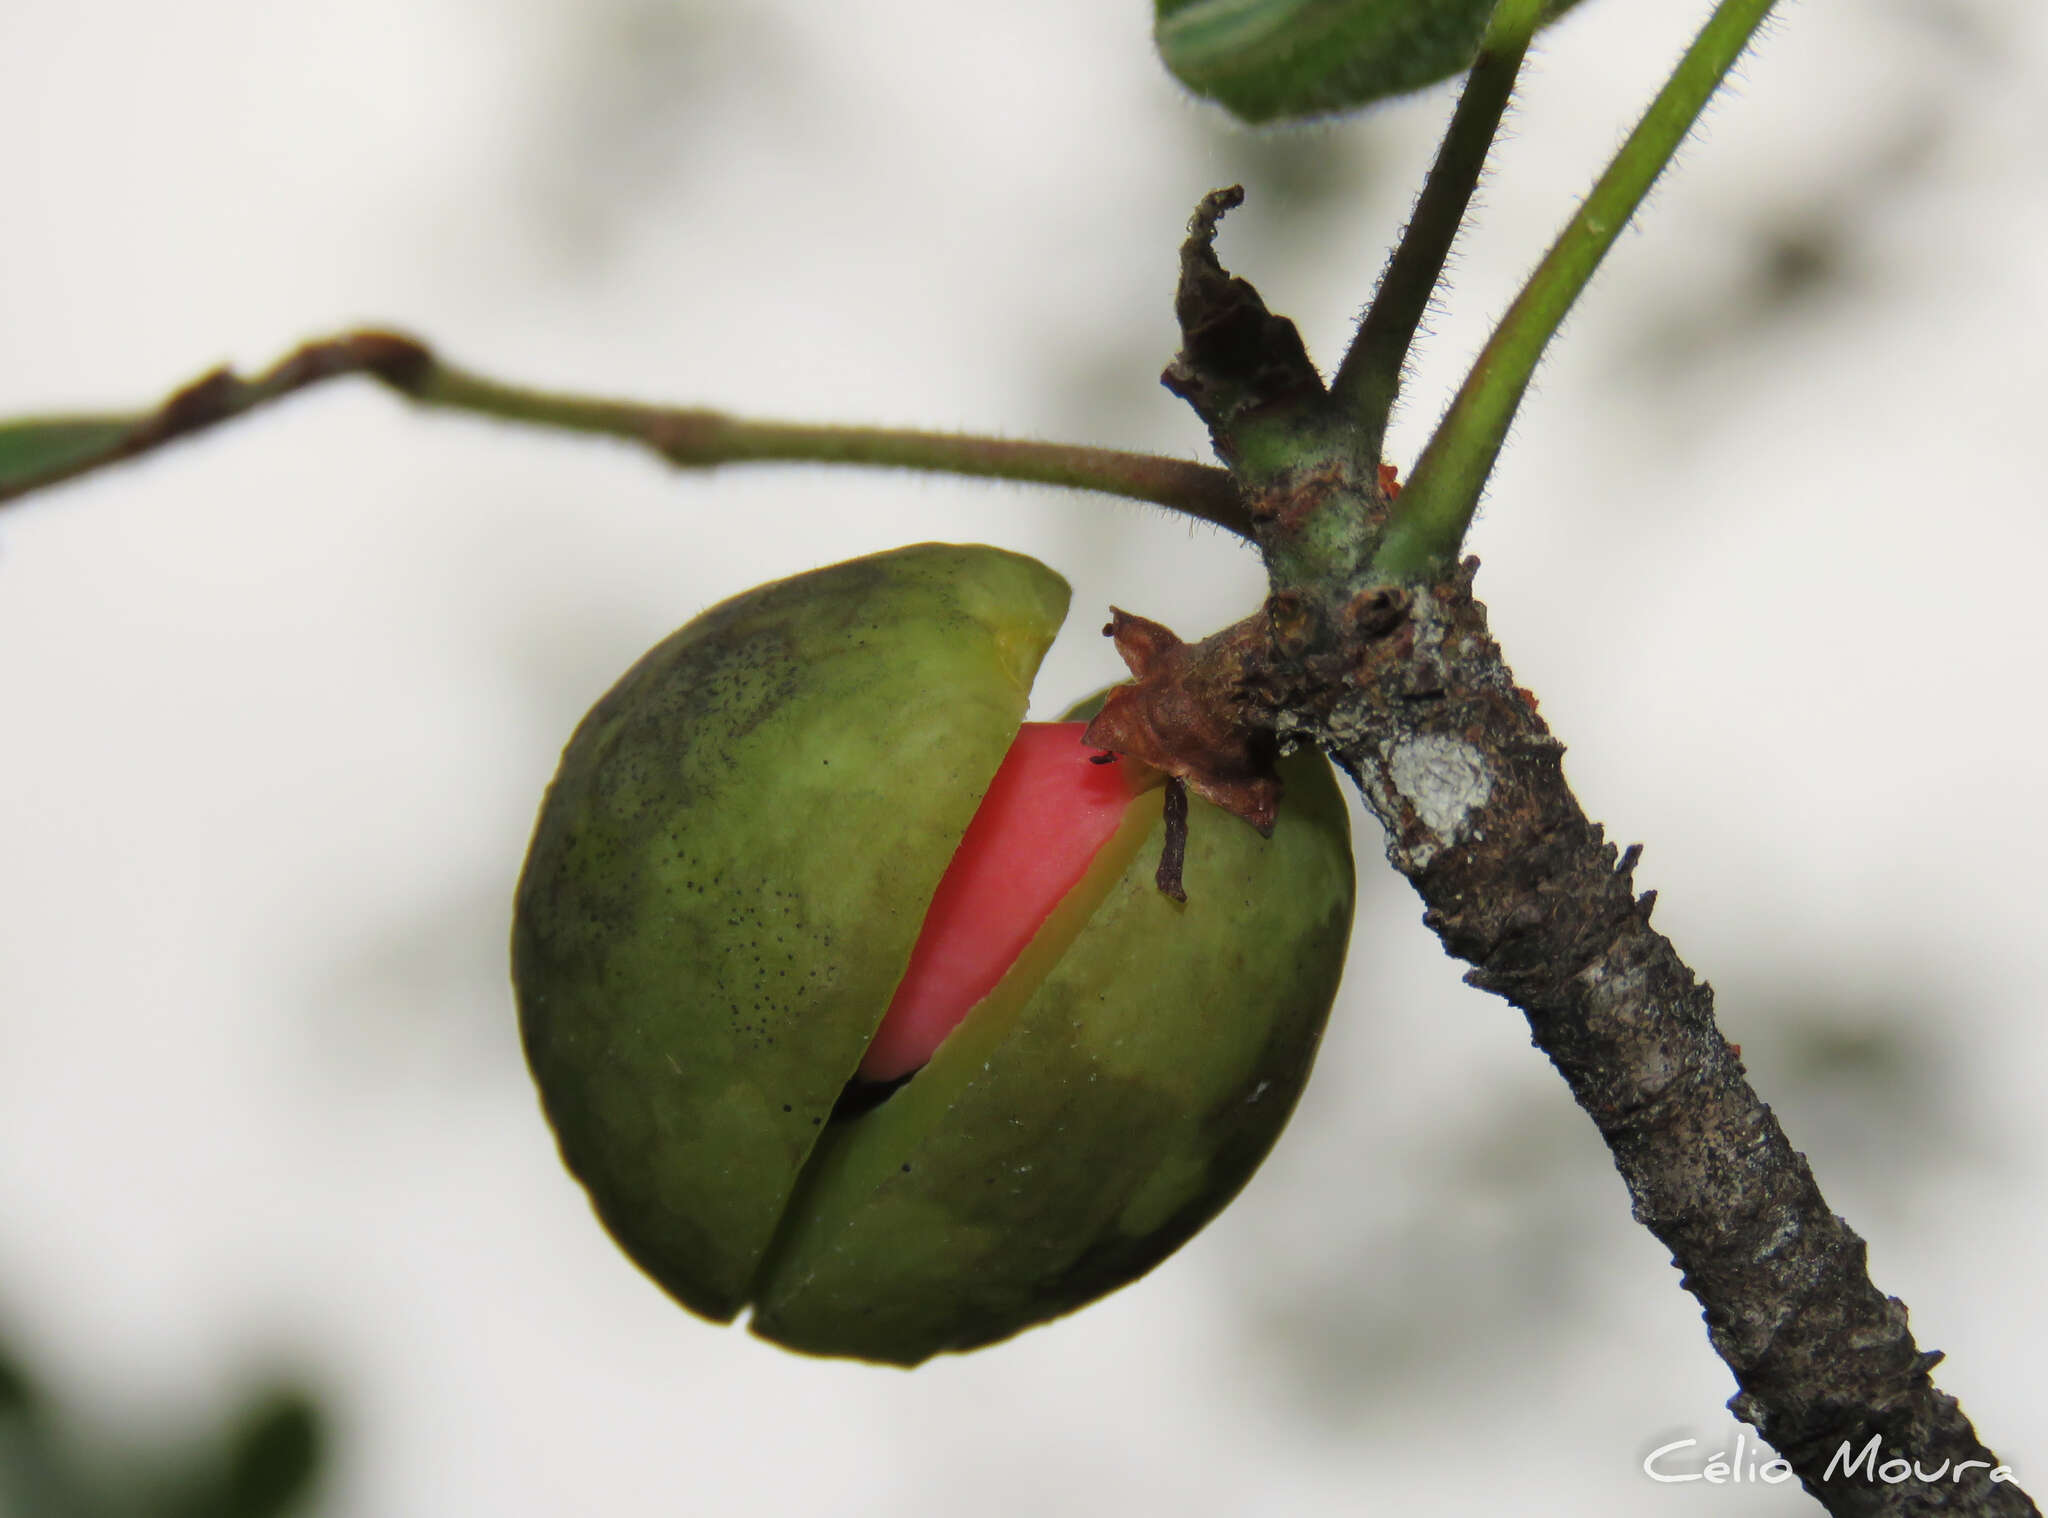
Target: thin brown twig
<point>686,437</point>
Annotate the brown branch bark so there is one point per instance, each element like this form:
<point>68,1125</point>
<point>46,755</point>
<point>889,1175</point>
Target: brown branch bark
<point>1453,758</point>
<point>1403,686</point>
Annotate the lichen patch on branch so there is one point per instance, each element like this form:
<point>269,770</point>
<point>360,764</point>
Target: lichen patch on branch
<point>1443,779</point>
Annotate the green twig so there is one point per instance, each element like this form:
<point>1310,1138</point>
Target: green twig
<point>39,452</point>
<point>1370,377</point>
<point>1428,522</point>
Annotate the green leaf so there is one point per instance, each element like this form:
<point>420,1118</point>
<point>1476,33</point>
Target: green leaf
<point>52,448</point>
<point>1278,60</point>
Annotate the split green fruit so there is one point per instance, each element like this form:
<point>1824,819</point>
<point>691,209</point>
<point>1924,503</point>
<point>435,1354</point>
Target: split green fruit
<point>725,887</point>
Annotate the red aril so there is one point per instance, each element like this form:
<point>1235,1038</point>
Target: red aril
<point>1049,810</point>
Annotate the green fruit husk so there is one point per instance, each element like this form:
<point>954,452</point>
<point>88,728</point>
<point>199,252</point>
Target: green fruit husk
<point>728,874</point>
<point>725,883</point>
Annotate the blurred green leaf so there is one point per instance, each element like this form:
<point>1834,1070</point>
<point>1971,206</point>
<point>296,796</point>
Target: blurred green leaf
<point>15,1393</point>
<point>33,449</point>
<point>1279,60</point>
<point>273,1455</point>
<point>261,1465</point>
<point>34,1479</point>
<point>264,1463</point>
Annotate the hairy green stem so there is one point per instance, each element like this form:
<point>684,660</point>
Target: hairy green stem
<point>1370,377</point>
<point>1428,522</point>
<point>39,452</point>
<point>698,439</point>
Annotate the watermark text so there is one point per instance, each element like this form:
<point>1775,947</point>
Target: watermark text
<point>1749,1461</point>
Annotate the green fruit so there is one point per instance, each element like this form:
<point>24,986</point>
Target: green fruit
<point>727,878</point>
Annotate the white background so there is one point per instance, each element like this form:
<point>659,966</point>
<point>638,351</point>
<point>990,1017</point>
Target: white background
<point>276,708</point>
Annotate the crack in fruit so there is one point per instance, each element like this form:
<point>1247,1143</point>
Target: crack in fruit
<point>1051,807</point>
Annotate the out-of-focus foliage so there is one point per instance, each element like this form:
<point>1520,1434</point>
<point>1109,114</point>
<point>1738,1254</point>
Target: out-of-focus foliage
<point>263,1464</point>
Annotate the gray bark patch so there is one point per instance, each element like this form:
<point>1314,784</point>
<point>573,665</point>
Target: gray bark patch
<point>1444,779</point>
